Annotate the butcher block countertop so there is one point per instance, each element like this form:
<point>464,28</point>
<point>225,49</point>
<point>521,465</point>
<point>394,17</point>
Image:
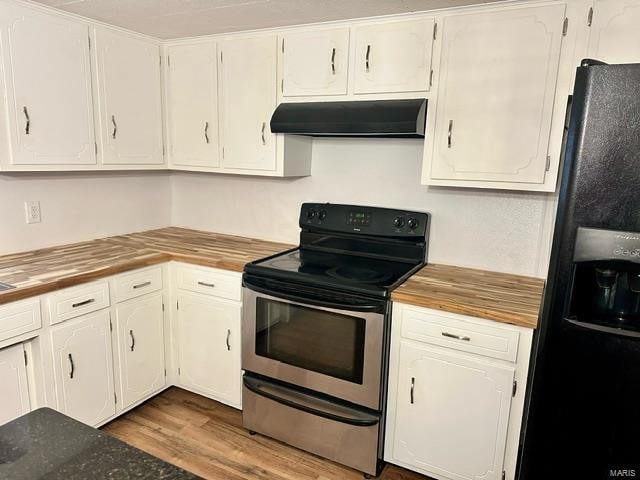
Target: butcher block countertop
<point>45,270</point>
<point>494,296</point>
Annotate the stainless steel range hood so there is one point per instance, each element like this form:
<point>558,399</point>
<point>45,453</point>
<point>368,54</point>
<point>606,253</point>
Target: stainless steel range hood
<point>372,118</point>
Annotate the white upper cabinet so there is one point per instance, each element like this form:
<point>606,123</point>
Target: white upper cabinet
<point>140,347</point>
<point>495,98</point>
<point>393,57</point>
<point>452,414</point>
<point>615,31</point>
<point>14,400</point>
<point>193,105</point>
<point>128,99</point>
<point>83,368</point>
<point>316,62</point>
<point>47,76</point>
<point>249,94</point>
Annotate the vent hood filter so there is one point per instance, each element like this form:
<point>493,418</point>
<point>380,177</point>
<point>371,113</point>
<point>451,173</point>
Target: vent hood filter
<point>374,118</point>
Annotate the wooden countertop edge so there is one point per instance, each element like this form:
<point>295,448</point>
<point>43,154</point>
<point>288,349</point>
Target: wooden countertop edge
<point>150,256</point>
<point>520,320</point>
<point>21,293</point>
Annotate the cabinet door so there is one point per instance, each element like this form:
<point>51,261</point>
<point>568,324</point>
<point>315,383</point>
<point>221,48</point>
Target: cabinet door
<point>316,62</point>
<point>615,31</point>
<point>248,101</point>
<point>394,57</point>
<point>14,400</point>
<point>193,105</point>
<point>495,97</point>
<point>209,346</point>
<point>130,114</point>
<point>452,413</point>
<point>48,78</point>
<point>83,368</point>
<point>140,347</point>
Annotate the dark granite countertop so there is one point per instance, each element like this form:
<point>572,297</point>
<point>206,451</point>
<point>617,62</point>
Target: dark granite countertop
<point>45,444</point>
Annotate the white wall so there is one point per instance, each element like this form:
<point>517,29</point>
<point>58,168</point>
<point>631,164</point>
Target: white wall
<point>77,207</point>
<point>502,231</point>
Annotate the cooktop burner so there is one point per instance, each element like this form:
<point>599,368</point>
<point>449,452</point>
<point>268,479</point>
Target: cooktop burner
<point>363,250</point>
<point>358,274</point>
<point>341,270</point>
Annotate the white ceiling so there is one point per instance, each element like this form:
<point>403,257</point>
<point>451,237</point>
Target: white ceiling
<point>185,18</point>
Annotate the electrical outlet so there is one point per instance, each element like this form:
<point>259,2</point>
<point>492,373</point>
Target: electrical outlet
<point>32,209</point>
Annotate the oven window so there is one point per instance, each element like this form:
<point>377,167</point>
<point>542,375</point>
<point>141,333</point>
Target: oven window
<point>317,340</point>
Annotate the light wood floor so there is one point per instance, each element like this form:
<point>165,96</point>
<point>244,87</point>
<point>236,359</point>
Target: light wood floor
<point>207,438</point>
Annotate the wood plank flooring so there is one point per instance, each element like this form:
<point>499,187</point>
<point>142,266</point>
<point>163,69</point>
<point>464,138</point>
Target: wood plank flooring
<point>207,438</point>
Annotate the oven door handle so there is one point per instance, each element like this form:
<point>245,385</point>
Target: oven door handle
<point>371,307</point>
<point>306,403</point>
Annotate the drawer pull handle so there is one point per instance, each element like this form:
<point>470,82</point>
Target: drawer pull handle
<point>73,368</point>
<point>264,140</point>
<point>205,284</point>
<point>413,384</point>
<point>450,134</point>
<point>142,285</point>
<point>133,340</point>
<point>83,303</point>
<point>456,337</point>
<point>228,344</point>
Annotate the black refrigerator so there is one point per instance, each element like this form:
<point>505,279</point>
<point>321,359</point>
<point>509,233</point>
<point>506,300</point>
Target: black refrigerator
<point>582,418</point>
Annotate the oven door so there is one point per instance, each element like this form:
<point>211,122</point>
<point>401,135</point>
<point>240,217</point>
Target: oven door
<point>327,343</point>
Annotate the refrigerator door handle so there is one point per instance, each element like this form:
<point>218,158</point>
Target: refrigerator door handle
<point>603,328</point>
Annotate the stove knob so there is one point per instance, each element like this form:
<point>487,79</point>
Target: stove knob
<point>413,223</point>
<point>322,215</point>
<point>399,222</point>
<point>311,214</point>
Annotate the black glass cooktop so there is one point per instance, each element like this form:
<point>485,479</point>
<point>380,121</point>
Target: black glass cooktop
<point>337,270</point>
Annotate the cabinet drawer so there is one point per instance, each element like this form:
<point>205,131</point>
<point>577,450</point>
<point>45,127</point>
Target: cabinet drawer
<point>456,332</point>
<point>137,283</point>
<point>76,301</point>
<point>19,317</point>
<point>210,282</point>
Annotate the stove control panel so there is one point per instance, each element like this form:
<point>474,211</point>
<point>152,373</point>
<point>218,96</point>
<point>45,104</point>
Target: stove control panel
<point>363,220</point>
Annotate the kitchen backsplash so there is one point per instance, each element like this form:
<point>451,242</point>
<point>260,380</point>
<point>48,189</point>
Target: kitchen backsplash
<point>502,231</point>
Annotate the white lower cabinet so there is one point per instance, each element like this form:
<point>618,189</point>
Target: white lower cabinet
<point>209,346</point>
<point>14,400</point>
<point>140,330</point>
<point>83,368</point>
<point>454,414</point>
